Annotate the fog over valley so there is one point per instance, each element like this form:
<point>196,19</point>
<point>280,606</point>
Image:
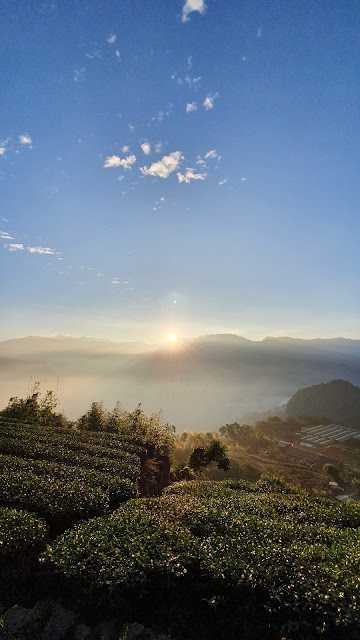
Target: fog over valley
<point>198,384</point>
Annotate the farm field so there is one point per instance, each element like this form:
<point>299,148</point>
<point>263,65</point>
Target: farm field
<point>205,559</point>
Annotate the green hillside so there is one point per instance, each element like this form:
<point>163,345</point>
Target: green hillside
<point>204,560</point>
<point>338,400</point>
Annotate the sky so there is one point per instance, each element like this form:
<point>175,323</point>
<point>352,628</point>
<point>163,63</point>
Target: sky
<point>179,167</point>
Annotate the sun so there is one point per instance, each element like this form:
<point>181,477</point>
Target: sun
<point>172,338</point>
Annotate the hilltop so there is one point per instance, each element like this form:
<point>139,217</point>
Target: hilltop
<point>338,400</point>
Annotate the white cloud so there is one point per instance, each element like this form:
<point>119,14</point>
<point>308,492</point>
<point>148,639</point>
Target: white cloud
<point>190,6</point>
<point>164,167</point>
<point>116,281</point>
<point>209,102</point>
<point>115,161</point>
<point>191,106</point>
<point>2,151</point>
<point>12,247</point>
<point>41,251</point>
<point>125,148</point>
<point>25,139</point>
<point>212,155</point>
<point>112,38</point>
<point>4,235</point>
<point>190,175</point>
<point>146,147</point>
<point>222,182</point>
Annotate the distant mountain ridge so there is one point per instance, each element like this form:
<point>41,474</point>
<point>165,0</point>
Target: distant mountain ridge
<point>201,384</point>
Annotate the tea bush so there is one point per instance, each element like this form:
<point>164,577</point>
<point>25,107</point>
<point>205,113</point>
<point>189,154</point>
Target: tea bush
<point>242,557</point>
<point>59,452</point>
<point>120,489</point>
<point>20,533</point>
<point>62,503</point>
<point>22,537</point>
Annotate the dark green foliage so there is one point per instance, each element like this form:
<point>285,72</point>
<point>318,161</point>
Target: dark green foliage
<point>119,489</point>
<point>20,533</point>
<point>201,457</point>
<point>35,408</point>
<point>277,561</point>
<point>39,445</point>
<point>22,537</point>
<point>151,431</point>
<point>95,419</point>
<point>61,502</point>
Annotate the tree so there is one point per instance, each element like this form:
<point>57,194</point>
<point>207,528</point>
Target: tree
<point>157,435</point>
<point>96,419</point>
<point>35,408</point>
<point>201,457</point>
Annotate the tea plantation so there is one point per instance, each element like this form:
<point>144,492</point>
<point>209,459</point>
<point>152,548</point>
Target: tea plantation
<point>229,559</point>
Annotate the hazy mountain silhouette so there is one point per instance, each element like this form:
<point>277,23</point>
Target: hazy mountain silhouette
<point>338,400</point>
<point>200,384</point>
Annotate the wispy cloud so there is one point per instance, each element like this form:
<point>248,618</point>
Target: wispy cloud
<point>25,139</point>
<point>146,148</point>
<point>190,175</point>
<point>164,167</point>
<point>209,101</point>
<point>111,38</point>
<point>4,235</point>
<point>212,155</point>
<point>222,182</point>
<point>112,162</point>
<point>15,246</point>
<point>190,6</point>
<point>79,75</point>
<point>46,251</point>
<point>2,151</point>
<point>191,106</point>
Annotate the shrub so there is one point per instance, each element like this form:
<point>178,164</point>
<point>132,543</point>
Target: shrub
<point>31,447</point>
<point>120,489</point>
<point>62,503</point>
<point>22,536</point>
<point>20,533</point>
<point>275,561</point>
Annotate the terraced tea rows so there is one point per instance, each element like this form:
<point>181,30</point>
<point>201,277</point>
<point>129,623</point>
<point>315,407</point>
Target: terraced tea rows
<point>66,476</point>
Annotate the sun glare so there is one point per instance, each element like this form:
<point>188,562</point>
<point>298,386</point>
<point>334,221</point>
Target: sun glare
<point>172,338</point>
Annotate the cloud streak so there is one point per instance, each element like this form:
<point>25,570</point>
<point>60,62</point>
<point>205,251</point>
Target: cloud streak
<point>15,246</point>
<point>46,251</point>
<point>4,235</point>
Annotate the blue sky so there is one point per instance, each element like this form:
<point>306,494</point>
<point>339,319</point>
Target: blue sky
<point>239,212</point>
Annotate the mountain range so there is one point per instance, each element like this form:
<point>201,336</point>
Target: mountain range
<point>199,384</point>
